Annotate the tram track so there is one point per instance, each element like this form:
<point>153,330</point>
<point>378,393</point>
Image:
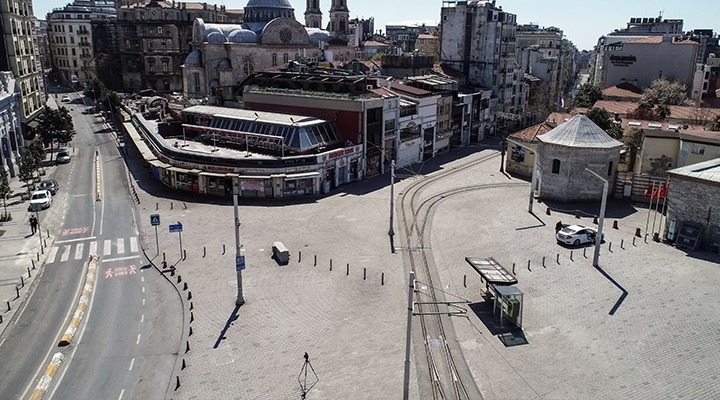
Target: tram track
<point>445,377</point>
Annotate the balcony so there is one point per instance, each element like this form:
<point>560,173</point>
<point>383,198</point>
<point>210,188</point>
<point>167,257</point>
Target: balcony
<point>83,31</point>
<point>85,44</point>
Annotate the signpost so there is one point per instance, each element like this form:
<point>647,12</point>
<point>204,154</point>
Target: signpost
<point>178,228</point>
<point>239,263</point>
<point>155,221</point>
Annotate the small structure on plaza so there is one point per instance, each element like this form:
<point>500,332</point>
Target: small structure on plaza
<point>565,152</point>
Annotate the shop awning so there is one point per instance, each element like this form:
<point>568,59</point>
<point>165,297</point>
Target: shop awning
<point>304,175</point>
<point>213,174</point>
<point>179,170</point>
<point>248,177</point>
<point>159,164</point>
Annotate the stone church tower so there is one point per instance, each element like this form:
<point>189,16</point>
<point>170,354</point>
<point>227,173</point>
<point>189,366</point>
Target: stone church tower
<point>313,14</point>
<point>339,18</point>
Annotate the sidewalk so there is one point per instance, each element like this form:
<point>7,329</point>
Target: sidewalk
<point>20,251</point>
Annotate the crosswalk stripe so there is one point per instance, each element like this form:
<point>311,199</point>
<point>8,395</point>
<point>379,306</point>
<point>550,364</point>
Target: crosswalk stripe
<point>107,247</point>
<point>133,244</point>
<point>79,250</point>
<point>93,248</point>
<point>52,254</point>
<point>121,246</point>
<point>66,254</point>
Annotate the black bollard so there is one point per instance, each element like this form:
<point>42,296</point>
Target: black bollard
<point>223,253</point>
<point>38,256</point>
<point>22,281</point>
<point>184,254</point>
<point>191,306</point>
<point>192,316</point>
<point>177,382</point>
<point>299,256</point>
<point>204,251</point>
<point>179,278</point>
<point>187,346</point>
<point>163,256</point>
<point>347,270</point>
<point>558,259</point>
<point>610,247</point>
<point>33,263</point>
<point>364,273</point>
<point>185,286</point>
<point>28,270</point>
<point>622,244</point>
<point>184,205</point>
<point>544,262</point>
<point>8,305</point>
<point>183,364</point>
<point>48,233</point>
<point>17,292</point>
<point>513,268</point>
<point>634,241</point>
<point>571,256</point>
<point>331,264</point>
<point>156,206</point>
<point>585,252</point>
<point>529,266</point>
<point>189,295</point>
<point>382,279</point>
<point>0,319</point>
<point>315,262</point>
<point>465,280</point>
<point>171,205</point>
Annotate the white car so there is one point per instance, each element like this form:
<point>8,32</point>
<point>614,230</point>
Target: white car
<point>40,200</point>
<point>576,235</point>
<point>66,99</point>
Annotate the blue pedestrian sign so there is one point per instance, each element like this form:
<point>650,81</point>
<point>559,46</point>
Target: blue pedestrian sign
<point>175,228</point>
<point>239,263</point>
<point>154,219</point>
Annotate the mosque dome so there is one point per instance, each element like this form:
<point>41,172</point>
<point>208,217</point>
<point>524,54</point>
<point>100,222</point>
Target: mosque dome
<point>263,11</point>
<point>194,59</point>
<point>242,36</point>
<point>268,4</point>
<point>216,38</point>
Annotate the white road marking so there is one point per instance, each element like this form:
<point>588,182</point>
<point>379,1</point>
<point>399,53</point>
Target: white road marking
<point>133,245</point>
<point>52,254</point>
<point>121,246</point>
<point>65,255</point>
<point>122,392</point>
<point>142,279</point>
<point>93,248</point>
<point>120,258</point>
<point>132,362</point>
<point>75,240</point>
<point>107,247</point>
<point>143,289</point>
<point>138,339</point>
<point>79,250</point>
<point>143,302</point>
<point>3,341</point>
<point>142,319</point>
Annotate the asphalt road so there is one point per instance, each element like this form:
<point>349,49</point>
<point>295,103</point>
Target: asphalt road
<point>127,345</point>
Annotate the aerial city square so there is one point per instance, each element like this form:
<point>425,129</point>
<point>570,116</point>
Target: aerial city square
<point>278,199</point>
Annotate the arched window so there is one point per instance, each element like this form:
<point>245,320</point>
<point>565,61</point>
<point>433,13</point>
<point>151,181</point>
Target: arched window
<point>196,82</point>
<point>342,25</point>
<point>610,168</point>
<point>556,166</point>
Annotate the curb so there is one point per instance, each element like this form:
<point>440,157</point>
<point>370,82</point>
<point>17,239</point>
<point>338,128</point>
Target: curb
<point>97,176</point>
<point>82,306</point>
<point>47,378</point>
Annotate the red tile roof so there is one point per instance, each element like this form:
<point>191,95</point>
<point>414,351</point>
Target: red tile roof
<point>531,133</point>
<point>413,91</point>
<point>623,90</point>
<point>384,93</point>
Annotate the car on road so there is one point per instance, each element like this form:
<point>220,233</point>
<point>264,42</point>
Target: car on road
<point>50,185</point>
<point>576,235</point>
<point>66,99</point>
<point>40,200</point>
<point>62,157</point>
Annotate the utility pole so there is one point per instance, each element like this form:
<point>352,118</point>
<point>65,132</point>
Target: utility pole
<point>240,299</point>
<point>603,204</point>
<point>39,231</point>
<point>408,337</point>
<point>391,231</point>
<point>502,155</point>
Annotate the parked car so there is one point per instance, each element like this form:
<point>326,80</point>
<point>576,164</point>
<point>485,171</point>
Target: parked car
<point>50,185</point>
<point>62,157</point>
<point>576,235</point>
<point>40,200</point>
<point>66,99</point>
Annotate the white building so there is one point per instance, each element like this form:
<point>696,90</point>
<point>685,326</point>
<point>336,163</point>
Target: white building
<point>11,138</point>
<point>71,40</point>
<point>416,123</point>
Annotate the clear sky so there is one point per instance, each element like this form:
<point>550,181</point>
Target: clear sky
<point>582,21</point>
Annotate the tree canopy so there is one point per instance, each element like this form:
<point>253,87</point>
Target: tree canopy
<point>56,126</point>
<point>4,189</point>
<point>602,118</point>
<point>663,91</point>
<point>715,124</point>
<point>587,95</point>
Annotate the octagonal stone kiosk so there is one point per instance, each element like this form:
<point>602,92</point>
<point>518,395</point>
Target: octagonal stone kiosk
<point>565,152</point>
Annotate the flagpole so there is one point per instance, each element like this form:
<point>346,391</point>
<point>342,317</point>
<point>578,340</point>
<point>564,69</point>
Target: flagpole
<point>647,224</point>
<point>664,207</point>
<point>657,205</point>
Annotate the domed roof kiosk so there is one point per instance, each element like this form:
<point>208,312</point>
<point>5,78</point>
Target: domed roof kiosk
<point>565,152</point>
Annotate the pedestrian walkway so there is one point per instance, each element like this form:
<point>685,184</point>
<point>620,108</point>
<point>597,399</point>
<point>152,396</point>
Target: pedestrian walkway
<point>80,249</point>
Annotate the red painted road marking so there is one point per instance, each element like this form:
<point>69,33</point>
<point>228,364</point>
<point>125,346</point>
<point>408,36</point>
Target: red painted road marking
<point>75,231</point>
<point>115,272</point>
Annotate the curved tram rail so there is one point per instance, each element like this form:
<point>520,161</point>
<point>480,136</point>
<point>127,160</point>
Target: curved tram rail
<point>443,374</point>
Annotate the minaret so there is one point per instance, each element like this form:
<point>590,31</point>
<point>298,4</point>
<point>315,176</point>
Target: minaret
<point>313,14</point>
<point>339,18</point>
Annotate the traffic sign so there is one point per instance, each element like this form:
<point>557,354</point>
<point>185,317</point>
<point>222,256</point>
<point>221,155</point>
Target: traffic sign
<point>175,228</point>
<point>155,219</point>
<point>239,263</point>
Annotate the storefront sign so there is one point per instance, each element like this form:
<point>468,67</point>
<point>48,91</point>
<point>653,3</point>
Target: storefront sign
<point>252,184</point>
<point>622,61</point>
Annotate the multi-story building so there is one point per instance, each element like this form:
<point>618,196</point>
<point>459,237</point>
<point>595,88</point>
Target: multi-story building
<point>71,38</point>
<point>18,55</point>
<point>405,36</point>
<point>706,80</point>
<point>428,45</point>
<point>478,39</point>
<point>43,57</point>
<point>417,123</point>
<point>154,40</point>
<point>11,137</point>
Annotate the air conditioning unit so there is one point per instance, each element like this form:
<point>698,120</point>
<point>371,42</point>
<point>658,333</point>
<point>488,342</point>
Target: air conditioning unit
<point>369,87</point>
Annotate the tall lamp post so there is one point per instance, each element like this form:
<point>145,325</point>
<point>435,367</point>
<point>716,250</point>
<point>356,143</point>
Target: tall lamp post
<point>238,268</point>
<point>391,231</point>
<point>534,172</point>
<point>603,204</point>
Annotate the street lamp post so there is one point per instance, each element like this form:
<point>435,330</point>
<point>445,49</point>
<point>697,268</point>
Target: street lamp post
<point>603,204</point>
<point>240,298</point>
<point>391,231</point>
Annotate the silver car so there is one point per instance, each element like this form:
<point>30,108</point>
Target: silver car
<point>576,235</point>
<point>40,200</point>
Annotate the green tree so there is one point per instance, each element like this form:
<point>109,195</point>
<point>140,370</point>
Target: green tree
<point>662,111</point>
<point>715,124</point>
<point>56,126</point>
<point>28,163</point>
<point>663,91</point>
<point>602,118</point>
<point>38,152</point>
<point>94,90</point>
<point>587,95</point>
<point>4,190</point>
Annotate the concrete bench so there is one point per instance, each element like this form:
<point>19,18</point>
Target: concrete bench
<point>281,253</point>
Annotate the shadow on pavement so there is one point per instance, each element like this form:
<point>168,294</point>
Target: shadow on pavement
<point>509,335</point>
<point>233,317</point>
<point>614,282</point>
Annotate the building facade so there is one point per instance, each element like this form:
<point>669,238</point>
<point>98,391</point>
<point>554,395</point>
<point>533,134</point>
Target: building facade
<point>154,40</point>
<point>70,36</point>
<point>11,132</point>
<point>478,39</point>
<point>19,55</point>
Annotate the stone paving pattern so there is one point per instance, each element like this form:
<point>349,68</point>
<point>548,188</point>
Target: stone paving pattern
<point>660,343</point>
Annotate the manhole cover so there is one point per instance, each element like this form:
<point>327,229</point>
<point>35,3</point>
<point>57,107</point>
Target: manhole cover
<point>2,232</point>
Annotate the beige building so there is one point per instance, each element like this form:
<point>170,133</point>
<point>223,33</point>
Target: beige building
<point>663,150</point>
<point>19,47</point>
